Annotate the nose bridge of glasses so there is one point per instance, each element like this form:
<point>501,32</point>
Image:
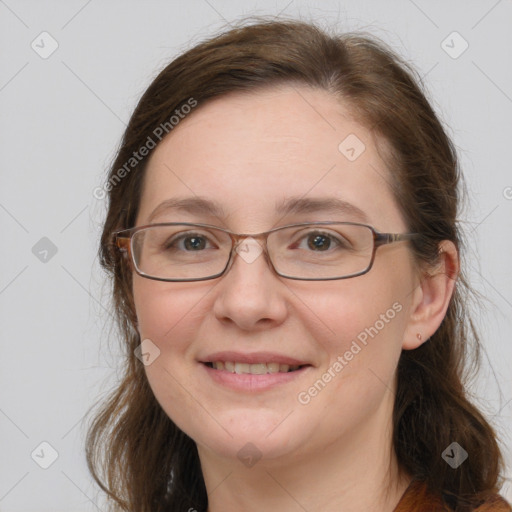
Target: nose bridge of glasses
<point>239,239</point>
<point>249,246</point>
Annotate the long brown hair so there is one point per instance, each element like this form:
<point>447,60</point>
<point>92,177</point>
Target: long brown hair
<point>134,451</point>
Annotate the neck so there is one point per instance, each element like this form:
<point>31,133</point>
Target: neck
<point>358,472</point>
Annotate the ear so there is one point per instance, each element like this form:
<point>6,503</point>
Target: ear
<point>432,297</point>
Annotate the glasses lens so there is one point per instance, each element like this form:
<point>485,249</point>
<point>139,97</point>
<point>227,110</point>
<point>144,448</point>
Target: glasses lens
<point>321,252</point>
<point>180,252</point>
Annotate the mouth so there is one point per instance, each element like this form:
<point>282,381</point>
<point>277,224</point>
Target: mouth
<point>253,368</point>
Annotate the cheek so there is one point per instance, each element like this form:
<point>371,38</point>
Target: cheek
<point>360,311</point>
<point>168,315</point>
<point>365,319</point>
<point>366,323</point>
<point>166,311</point>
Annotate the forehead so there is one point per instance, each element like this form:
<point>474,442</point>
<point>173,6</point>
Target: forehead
<point>251,152</point>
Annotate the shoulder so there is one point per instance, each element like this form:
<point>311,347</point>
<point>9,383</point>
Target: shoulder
<point>417,498</point>
<point>494,503</point>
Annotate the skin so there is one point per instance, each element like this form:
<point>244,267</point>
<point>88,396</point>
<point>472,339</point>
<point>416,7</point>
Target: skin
<point>249,151</point>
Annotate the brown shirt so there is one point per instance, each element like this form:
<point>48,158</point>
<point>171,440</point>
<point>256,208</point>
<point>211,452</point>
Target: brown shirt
<point>417,499</point>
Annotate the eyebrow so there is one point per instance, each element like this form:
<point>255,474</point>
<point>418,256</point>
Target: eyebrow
<point>334,205</point>
<point>293,205</point>
<point>194,205</point>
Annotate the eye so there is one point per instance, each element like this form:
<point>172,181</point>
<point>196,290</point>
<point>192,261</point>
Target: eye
<point>319,241</point>
<point>322,241</point>
<point>192,242</point>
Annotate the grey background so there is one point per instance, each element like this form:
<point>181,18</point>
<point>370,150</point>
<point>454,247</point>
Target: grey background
<point>61,120</point>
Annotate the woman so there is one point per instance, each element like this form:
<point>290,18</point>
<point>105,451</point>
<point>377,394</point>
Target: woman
<point>315,361</point>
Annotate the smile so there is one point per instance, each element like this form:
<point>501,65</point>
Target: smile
<point>254,369</point>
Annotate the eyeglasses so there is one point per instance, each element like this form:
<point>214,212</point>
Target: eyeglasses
<point>315,251</point>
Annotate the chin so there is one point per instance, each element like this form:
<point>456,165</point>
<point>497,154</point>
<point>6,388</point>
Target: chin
<point>251,434</point>
<point>249,450</point>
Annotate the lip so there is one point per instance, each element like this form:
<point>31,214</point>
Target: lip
<point>248,382</point>
<point>253,358</point>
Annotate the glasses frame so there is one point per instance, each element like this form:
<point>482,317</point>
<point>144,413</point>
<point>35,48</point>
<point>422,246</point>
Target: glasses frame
<point>122,239</point>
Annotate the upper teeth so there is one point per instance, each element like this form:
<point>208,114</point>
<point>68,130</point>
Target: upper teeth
<point>256,369</point>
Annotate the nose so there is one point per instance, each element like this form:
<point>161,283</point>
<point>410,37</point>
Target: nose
<point>250,295</point>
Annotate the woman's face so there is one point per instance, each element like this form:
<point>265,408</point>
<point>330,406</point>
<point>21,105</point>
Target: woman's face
<point>250,153</point>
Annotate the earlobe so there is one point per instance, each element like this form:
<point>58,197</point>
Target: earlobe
<point>432,298</point>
